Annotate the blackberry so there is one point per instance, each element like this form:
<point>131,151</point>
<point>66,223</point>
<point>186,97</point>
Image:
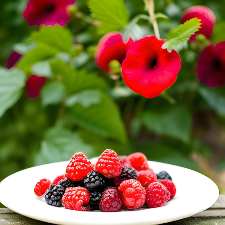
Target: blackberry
<point>53,196</point>
<point>95,198</point>
<point>66,183</point>
<point>110,182</point>
<point>95,180</point>
<point>79,183</point>
<point>163,175</point>
<point>128,173</point>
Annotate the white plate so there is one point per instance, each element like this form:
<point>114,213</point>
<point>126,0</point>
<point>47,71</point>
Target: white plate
<point>195,193</point>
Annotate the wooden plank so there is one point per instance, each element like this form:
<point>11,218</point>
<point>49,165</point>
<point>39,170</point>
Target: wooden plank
<point>220,203</point>
<point>211,213</point>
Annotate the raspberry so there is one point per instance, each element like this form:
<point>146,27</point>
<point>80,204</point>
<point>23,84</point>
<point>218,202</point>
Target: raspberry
<point>78,167</point>
<point>75,198</point>
<point>94,180</point>
<point>170,186</point>
<point>128,173</point>
<point>118,181</point>
<point>144,166</point>
<point>163,175</point>
<point>108,164</point>
<point>156,195</point>
<point>133,194</point>
<point>66,183</point>
<point>139,161</point>
<point>146,177</point>
<point>59,178</point>
<point>41,187</point>
<point>53,196</point>
<point>124,161</point>
<point>111,200</point>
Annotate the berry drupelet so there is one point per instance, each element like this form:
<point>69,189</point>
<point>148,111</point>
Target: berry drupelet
<point>95,180</point>
<point>163,175</point>
<point>54,194</point>
<point>128,173</point>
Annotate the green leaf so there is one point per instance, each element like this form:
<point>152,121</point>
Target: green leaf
<point>40,53</point>
<point>112,14</point>
<point>173,123</point>
<point>161,15</point>
<point>23,48</point>
<point>57,37</point>
<point>53,93</point>
<point>178,36</point>
<point>100,143</point>
<point>214,98</point>
<point>11,87</point>
<point>85,98</point>
<point>103,118</point>
<point>131,30</point>
<point>50,41</point>
<point>60,145</point>
<point>74,80</point>
<point>42,69</point>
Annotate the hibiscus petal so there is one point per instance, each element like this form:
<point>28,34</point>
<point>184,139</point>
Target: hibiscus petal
<point>206,16</point>
<point>148,69</point>
<point>211,65</point>
<point>34,85</point>
<point>13,58</point>
<point>111,47</point>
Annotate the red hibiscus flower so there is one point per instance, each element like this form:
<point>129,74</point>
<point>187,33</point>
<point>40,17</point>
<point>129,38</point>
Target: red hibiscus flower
<point>34,85</point>
<point>211,65</point>
<point>206,16</point>
<point>111,47</point>
<point>47,12</point>
<point>148,69</point>
<point>12,60</point>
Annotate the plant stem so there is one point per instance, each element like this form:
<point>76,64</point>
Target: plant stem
<point>169,98</point>
<point>151,9</point>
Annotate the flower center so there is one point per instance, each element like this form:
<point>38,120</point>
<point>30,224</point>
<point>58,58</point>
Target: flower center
<point>217,64</point>
<point>50,9</point>
<point>153,63</point>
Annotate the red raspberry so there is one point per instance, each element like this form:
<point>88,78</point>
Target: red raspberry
<point>139,161</point>
<point>118,181</point>
<point>170,186</point>
<point>75,198</point>
<point>125,161</point>
<point>78,167</point>
<point>109,164</point>
<point>41,187</point>
<point>59,178</point>
<point>146,177</point>
<point>111,200</point>
<point>156,195</point>
<point>133,194</point>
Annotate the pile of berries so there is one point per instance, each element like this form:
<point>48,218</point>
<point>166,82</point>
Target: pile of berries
<point>109,185</point>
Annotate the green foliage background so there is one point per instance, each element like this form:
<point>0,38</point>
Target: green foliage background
<point>81,108</point>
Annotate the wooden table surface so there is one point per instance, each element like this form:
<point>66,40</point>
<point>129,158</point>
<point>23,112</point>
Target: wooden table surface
<point>212,216</point>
